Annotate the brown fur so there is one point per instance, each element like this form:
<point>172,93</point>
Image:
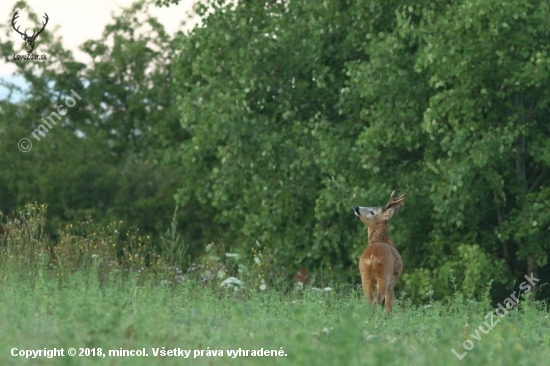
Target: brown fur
<point>380,263</point>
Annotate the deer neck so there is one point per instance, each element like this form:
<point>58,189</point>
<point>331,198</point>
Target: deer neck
<point>379,234</point>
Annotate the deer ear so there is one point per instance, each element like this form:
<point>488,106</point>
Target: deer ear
<point>391,212</point>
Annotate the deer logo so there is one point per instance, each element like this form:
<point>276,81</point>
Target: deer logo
<point>380,262</point>
<point>29,40</point>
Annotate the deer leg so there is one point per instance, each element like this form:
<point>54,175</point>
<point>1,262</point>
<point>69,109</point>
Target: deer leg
<point>389,299</point>
<point>366,283</point>
<point>381,289</point>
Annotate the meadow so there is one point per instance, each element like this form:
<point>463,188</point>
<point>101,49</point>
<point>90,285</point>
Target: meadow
<point>71,294</point>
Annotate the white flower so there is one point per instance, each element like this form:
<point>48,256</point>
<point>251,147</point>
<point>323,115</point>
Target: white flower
<point>257,260</point>
<point>263,285</point>
<point>94,256</point>
<point>232,255</point>
<point>230,281</point>
<point>242,268</point>
<point>327,289</point>
<point>221,274</point>
<point>208,248</point>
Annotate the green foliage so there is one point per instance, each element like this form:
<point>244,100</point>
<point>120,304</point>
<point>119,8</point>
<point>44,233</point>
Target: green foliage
<point>258,101</point>
<point>271,120</point>
<point>299,111</point>
<point>99,160</point>
<point>92,248</point>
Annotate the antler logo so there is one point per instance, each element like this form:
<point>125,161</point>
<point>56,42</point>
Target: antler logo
<point>29,40</point>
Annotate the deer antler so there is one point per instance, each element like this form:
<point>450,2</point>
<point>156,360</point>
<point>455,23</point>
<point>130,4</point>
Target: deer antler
<point>43,25</point>
<point>395,201</point>
<point>15,16</point>
<point>25,36</point>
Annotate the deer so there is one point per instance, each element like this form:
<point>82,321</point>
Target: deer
<point>380,261</point>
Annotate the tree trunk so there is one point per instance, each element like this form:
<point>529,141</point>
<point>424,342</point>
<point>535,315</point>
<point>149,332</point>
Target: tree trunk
<point>522,180</point>
<point>500,221</point>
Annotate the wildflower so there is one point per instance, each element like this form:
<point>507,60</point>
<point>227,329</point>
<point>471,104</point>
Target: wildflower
<point>232,255</point>
<point>327,289</point>
<point>94,256</point>
<point>242,269</point>
<point>208,248</point>
<point>257,260</point>
<point>230,281</point>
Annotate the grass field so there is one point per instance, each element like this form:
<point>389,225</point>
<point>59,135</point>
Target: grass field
<point>313,328</point>
<point>79,293</point>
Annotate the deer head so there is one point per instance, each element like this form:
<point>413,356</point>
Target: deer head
<point>373,215</point>
<point>29,40</point>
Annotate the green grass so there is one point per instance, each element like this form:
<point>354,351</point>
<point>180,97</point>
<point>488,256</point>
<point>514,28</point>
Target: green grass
<point>314,328</point>
<point>92,289</point>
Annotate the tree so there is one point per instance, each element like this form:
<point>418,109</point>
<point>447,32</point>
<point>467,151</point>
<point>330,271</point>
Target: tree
<point>299,111</point>
<point>99,160</point>
<point>476,127</point>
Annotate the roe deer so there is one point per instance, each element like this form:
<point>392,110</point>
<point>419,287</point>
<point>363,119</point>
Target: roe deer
<point>380,261</point>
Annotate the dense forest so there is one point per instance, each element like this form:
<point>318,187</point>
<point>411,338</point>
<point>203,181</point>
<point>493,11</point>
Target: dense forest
<point>271,120</point>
